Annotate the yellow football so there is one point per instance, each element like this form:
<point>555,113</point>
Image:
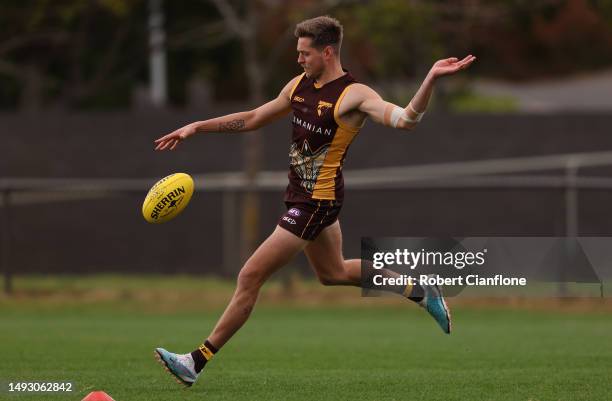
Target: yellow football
<point>167,198</point>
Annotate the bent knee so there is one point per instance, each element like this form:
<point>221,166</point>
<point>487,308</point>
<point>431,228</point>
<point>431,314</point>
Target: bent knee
<point>250,277</point>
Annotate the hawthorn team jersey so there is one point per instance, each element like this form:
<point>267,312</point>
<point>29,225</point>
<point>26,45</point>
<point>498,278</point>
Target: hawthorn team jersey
<point>319,140</point>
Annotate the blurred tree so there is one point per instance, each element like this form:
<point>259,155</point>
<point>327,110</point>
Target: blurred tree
<point>391,37</point>
<point>93,53</point>
<point>73,53</point>
<point>530,39</point>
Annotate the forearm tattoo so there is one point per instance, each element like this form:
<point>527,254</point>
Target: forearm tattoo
<point>234,125</point>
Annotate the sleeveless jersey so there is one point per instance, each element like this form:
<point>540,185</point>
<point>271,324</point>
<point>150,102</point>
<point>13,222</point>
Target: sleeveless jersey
<point>319,140</point>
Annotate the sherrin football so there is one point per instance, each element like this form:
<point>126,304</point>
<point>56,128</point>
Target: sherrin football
<point>167,198</point>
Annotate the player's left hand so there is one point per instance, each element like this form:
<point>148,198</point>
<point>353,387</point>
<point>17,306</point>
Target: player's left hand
<point>450,66</point>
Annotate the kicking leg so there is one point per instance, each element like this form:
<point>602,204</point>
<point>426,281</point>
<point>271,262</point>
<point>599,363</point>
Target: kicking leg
<point>325,257</point>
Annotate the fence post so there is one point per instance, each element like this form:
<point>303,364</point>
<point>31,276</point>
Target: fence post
<point>230,240</point>
<point>6,242</point>
<point>571,216</point>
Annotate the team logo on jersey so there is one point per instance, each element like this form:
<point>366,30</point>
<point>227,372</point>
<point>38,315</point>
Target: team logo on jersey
<point>322,107</point>
<point>307,163</point>
<point>298,99</point>
<point>294,212</point>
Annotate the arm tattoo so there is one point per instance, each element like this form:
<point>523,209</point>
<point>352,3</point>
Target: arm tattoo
<point>234,125</point>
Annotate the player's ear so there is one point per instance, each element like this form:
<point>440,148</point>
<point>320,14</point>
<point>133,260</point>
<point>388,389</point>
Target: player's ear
<point>328,52</point>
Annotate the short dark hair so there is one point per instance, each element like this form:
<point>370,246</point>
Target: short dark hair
<point>324,31</point>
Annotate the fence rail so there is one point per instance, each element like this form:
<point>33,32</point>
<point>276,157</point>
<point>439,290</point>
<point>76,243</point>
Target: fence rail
<point>508,173</point>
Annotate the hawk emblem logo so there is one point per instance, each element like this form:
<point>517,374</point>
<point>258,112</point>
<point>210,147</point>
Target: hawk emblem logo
<point>322,107</point>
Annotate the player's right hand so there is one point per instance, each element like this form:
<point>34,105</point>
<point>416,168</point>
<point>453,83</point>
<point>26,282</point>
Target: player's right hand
<point>171,141</point>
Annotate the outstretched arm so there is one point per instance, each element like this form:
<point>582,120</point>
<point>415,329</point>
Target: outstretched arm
<point>394,116</point>
<point>236,122</point>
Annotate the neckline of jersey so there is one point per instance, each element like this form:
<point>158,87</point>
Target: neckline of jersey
<point>314,82</point>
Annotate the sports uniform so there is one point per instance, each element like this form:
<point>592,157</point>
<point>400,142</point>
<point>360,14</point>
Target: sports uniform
<point>314,196</point>
<point>318,147</point>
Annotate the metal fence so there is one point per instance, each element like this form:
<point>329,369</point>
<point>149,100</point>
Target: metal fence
<point>554,172</point>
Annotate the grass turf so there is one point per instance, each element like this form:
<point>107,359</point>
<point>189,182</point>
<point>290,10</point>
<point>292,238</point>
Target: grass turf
<point>314,353</point>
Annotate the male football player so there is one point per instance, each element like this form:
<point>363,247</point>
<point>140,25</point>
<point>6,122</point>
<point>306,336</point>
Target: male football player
<point>328,109</point>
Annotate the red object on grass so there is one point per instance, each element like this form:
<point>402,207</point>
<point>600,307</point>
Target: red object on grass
<point>98,396</point>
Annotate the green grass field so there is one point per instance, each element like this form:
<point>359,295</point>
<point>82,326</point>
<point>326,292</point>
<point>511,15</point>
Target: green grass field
<point>389,352</point>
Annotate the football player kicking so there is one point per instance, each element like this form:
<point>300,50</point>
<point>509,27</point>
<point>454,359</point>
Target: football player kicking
<point>329,107</point>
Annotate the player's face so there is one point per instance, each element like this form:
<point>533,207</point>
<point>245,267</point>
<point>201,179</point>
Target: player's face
<point>310,58</point>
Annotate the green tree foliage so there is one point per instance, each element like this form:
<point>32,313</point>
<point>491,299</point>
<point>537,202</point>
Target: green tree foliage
<point>391,38</point>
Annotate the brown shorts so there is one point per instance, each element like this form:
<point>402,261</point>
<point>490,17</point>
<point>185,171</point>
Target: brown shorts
<point>308,219</point>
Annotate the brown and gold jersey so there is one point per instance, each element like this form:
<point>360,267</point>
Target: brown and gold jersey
<point>319,141</point>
